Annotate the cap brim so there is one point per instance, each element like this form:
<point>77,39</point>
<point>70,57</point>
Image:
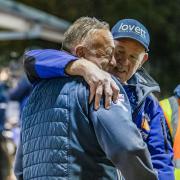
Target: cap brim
<point>121,37</point>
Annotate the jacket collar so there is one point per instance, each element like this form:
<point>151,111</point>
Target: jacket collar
<point>144,84</point>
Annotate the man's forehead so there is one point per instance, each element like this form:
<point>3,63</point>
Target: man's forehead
<point>102,38</point>
<point>128,42</point>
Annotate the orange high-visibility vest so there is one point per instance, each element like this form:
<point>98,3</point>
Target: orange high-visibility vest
<point>174,126</point>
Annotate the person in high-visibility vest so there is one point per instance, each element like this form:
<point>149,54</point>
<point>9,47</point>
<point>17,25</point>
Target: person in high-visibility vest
<point>171,109</point>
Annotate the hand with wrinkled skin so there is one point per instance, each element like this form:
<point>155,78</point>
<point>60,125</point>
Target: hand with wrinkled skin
<point>99,81</point>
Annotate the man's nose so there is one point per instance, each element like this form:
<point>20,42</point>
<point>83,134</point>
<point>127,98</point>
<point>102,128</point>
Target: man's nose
<point>125,60</point>
<point>122,59</point>
<point>113,62</point>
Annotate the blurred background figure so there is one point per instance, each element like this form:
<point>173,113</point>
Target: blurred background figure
<point>14,91</point>
<point>171,109</point>
<point>3,105</point>
<point>18,92</point>
<point>21,89</point>
<point>4,156</point>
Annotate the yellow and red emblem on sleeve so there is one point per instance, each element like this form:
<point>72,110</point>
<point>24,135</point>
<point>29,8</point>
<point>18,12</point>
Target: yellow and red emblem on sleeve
<point>145,124</point>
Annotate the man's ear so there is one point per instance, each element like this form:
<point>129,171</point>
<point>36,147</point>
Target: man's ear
<point>79,50</point>
<point>145,58</point>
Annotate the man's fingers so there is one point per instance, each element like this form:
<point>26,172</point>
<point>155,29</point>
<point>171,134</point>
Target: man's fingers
<point>98,85</point>
<point>115,91</point>
<point>98,96</point>
<point>108,94</point>
<point>92,92</point>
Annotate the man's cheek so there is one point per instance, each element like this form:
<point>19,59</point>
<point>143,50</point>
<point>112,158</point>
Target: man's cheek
<point>107,61</point>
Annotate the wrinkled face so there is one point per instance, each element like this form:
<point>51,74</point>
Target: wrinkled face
<point>129,55</point>
<point>101,50</point>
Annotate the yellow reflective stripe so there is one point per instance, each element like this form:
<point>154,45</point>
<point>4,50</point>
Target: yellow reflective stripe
<point>165,105</point>
<point>177,174</point>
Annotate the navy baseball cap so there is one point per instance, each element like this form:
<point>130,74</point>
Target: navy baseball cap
<point>131,28</point>
<point>177,91</point>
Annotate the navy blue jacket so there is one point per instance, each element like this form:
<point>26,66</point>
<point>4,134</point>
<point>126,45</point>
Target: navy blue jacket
<point>147,113</point>
<point>62,137</point>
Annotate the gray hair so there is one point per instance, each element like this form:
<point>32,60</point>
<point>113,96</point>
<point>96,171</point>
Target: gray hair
<point>80,30</point>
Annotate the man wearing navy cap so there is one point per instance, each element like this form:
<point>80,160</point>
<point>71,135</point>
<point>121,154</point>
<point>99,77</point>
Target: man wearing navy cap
<point>171,109</point>
<point>131,46</point>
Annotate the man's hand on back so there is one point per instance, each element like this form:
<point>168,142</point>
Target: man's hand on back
<point>99,81</point>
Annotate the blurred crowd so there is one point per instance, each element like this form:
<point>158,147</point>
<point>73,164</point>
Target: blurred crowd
<point>14,90</point>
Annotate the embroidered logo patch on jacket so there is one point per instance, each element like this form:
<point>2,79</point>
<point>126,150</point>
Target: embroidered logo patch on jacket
<point>145,128</point>
<point>145,124</point>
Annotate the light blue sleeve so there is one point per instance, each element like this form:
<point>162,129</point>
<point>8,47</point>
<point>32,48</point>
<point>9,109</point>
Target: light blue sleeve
<point>120,139</point>
<point>158,141</point>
